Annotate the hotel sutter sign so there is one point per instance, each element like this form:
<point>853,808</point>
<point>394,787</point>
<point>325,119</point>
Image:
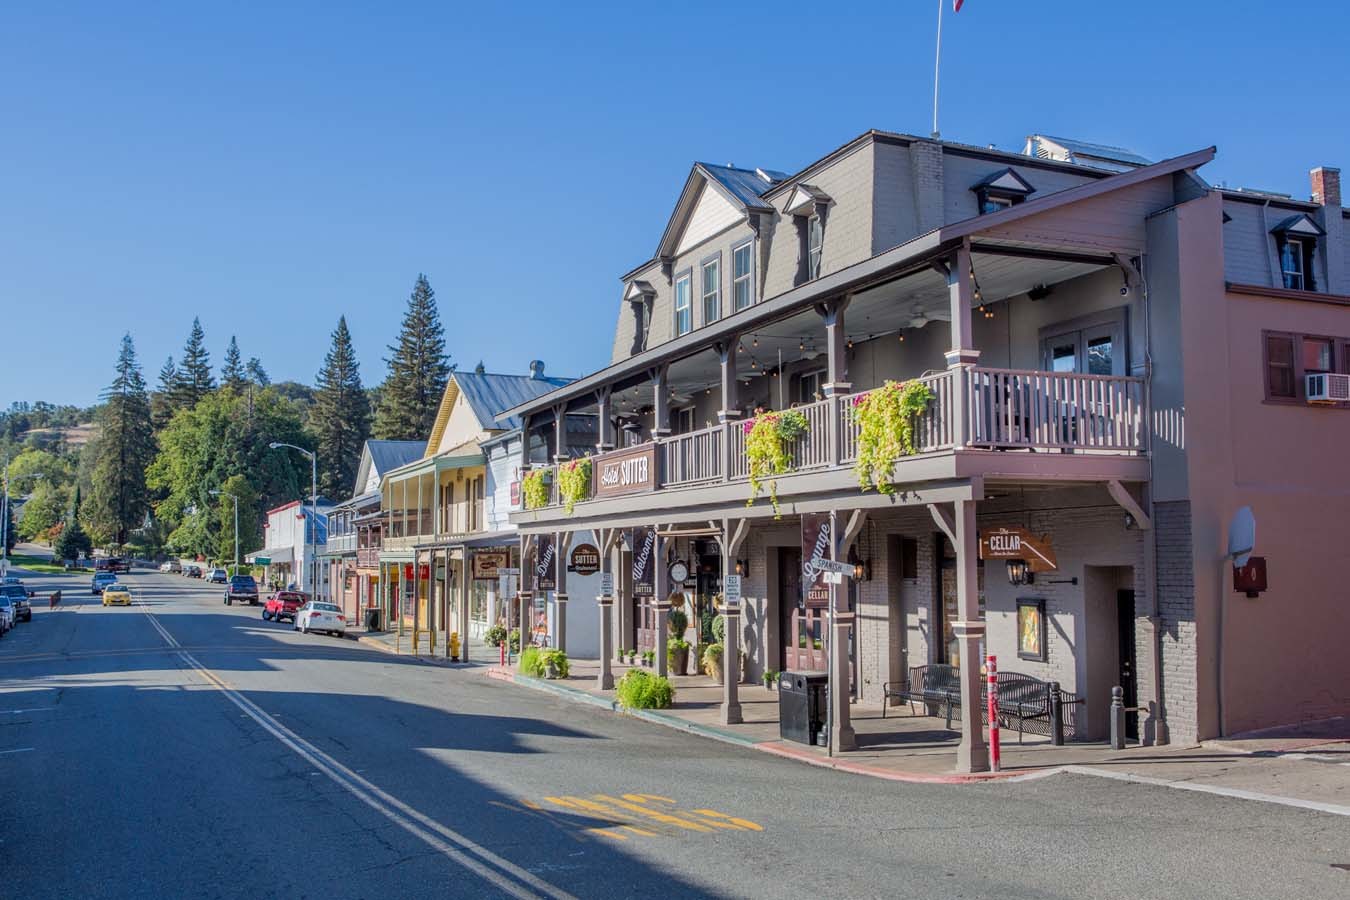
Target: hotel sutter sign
<point>1019,543</point>
<point>631,471</point>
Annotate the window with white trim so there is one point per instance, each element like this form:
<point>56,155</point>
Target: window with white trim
<point>815,243</point>
<point>712,290</point>
<point>742,286</point>
<point>1293,263</point>
<point>684,309</point>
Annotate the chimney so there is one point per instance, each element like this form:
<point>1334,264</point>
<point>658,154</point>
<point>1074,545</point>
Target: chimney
<point>536,369</point>
<point>1326,186</point>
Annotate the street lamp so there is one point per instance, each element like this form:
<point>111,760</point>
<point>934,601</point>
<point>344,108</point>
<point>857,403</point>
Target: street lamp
<point>4,518</point>
<point>314,510</point>
<point>236,525</point>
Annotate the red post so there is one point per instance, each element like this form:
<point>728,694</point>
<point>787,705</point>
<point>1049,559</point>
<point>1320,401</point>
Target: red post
<point>502,645</point>
<point>991,667</point>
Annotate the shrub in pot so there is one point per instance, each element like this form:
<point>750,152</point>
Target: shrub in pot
<point>677,656</point>
<point>495,636</point>
<point>555,663</point>
<point>712,662</point>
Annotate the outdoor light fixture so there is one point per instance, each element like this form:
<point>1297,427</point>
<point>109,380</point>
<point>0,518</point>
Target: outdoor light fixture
<point>1019,572</point>
<point>862,568</point>
<point>742,567</point>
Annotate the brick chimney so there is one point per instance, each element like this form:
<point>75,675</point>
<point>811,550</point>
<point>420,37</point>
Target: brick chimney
<point>1326,186</point>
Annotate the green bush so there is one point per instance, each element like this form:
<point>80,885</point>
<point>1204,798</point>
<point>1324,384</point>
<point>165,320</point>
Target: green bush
<point>531,663</point>
<point>639,689</point>
<point>495,636</point>
<point>712,653</point>
<point>677,621</point>
<point>719,629</point>
<point>515,641</point>
<point>558,658</point>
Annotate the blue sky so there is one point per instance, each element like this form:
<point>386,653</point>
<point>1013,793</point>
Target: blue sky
<point>271,166</point>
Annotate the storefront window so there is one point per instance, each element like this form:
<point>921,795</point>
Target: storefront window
<point>478,605</point>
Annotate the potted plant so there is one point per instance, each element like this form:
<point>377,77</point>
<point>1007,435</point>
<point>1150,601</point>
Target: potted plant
<point>712,662</point>
<point>574,482</point>
<point>769,437</point>
<point>495,636</point>
<point>771,679</point>
<point>677,656</point>
<point>534,488</point>
<point>885,419</point>
<point>555,664</point>
<point>632,657</point>
<point>649,658</point>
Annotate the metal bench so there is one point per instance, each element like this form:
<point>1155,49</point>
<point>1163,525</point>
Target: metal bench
<point>938,683</point>
<point>1023,698</point>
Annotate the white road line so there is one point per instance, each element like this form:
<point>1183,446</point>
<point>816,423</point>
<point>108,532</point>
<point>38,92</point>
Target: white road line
<point>19,750</point>
<point>1237,793</point>
<point>450,843</point>
<point>16,712</point>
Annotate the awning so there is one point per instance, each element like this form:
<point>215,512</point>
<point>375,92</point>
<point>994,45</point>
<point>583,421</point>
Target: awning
<point>271,556</point>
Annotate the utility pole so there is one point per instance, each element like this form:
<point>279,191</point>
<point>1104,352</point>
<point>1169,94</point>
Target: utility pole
<point>314,513</point>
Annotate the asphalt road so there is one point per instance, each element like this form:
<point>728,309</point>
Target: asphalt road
<point>180,748</point>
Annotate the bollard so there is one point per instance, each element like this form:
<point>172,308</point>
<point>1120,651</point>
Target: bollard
<point>1056,715</point>
<point>1117,718</point>
<point>991,666</point>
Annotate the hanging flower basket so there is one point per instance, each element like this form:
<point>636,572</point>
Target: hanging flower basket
<point>885,418</point>
<point>574,482</point>
<point>534,488</point>
<point>769,437</point>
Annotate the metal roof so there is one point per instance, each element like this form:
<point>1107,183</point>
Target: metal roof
<point>387,455</point>
<point>490,395</point>
<point>745,185</point>
<point>1099,151</point>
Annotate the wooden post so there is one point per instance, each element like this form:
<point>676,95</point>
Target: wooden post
<point>973,754</point>
<point>962,356</point>
<point>731,540</point>
<point>660,402</point>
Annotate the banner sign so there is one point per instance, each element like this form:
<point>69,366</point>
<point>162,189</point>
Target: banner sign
<point>643,542</point>
<point>1019,543</point>
<point>585,559</point>
<point>629,471</point>
<point>487,564</point>
<point>545,564</point>
<point>817,545</point>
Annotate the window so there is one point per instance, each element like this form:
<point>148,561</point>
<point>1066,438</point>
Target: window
<point>683,420</point>
<point>712,290</point>
<point>815,241</point>
<point>1289,357</point>
<point>990,203</point>
<point>1092,345</point>
<point>1292,264</point>
<point>684,312</point>
<point>811,386</point>
<point>742,294</point>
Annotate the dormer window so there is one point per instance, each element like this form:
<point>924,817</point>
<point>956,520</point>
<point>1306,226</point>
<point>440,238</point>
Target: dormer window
<point>640,296</point>
<point>815,245</point>
<point>1001,190</point>
<point>809,207</point>
<point>1296,247</point>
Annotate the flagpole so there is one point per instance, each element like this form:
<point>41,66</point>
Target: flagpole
<point>937,67</point>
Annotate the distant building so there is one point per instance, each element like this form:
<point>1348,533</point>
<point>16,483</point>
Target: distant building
<point>292,536</point>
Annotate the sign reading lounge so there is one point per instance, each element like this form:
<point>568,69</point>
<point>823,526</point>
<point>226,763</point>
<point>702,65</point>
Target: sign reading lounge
<point>630,471</point>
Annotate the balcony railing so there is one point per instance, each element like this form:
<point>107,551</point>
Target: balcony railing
<point>367,557</point>
<point>1004,409</point>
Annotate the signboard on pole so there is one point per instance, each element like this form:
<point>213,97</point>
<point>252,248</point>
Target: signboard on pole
<point>1019,543</point>
<point>643,542</point>
<point>816,551</point>
<point>607,584</point>
<point>545,564</point>
<point>487,564</point>
<point>731,590</point>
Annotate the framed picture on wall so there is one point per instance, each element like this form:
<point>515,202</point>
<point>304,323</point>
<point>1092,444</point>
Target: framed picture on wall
<point>1031,628</point>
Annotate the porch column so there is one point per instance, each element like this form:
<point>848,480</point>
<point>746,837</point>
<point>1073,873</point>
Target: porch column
<point>562,540</point>
<point>836,346</point>
<point>606,680</point>
<point>972,755</point>
<point>731,613</point>
<point>433,614</point>
<point>604,437</point>
<point>731,404</point>
<point>466,587</point>
<point>661,604</point>
<point>962,354</point>
<point>842,736</point>
<point>660,402</point>
<point>560,432</point>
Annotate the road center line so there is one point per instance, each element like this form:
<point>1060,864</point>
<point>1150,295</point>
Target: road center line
<point>18,750</point>
<point>448,842</point>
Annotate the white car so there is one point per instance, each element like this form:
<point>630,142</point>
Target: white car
<point>318,616</point>
<point>6,614</point>
<point>166,567</point>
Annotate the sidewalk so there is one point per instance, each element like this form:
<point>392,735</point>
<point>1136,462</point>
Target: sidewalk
<point>918,748</point>
<point>393,642</point>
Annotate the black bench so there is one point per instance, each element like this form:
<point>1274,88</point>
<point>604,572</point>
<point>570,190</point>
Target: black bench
<point>1023,698</point>
<point>937,683</point>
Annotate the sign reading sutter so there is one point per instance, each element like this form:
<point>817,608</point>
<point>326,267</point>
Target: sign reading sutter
<point>1019,543</point>
<point>630,471</point>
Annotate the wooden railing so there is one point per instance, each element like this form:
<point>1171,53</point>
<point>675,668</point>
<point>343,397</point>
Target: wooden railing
<point>367,557</point>
<point>692,458</point>
<point>932,429</point>
<point>812,450</point>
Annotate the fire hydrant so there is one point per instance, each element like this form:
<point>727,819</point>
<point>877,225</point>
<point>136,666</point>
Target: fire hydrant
<point>454,646</point>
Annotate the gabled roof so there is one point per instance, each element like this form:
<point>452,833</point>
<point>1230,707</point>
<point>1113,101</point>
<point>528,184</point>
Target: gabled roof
<point>488,395</point>
<point>385,456</point>
<point>746,185</point>
<point>1300,223</point>
<point>1004,180</point>
<point>743,188</point>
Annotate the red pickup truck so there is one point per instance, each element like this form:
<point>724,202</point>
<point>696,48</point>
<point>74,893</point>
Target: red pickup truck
<point>283,605</point>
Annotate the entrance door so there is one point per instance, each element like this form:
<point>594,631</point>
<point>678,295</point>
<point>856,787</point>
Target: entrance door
<point>1128,681</point>
<point>802,628</point>
<point>1086,349</point>
<point>644,609</point>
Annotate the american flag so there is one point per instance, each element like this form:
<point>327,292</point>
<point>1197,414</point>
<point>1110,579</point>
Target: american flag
<point>956,5</point>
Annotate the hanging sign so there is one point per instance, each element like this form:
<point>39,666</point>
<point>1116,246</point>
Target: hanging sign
<point>488,564</point>
<point>628,471</point>
<point>816,544</point>
<point>1019,543</point>
<point>643,542</point>
<point>584,559</point>
<point>1250,578</point>
<point>546,564</point>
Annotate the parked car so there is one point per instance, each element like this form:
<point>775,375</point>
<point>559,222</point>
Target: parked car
<point>192,571</point>
<point>101,581</point>
<point>242,588</point>
<point>6,614</point>
<point>116,595</point>
<point>18,595</point>
<point>284,605</point>
<point>218,576</point>
<point>172,566</point>
<point>319,616</point>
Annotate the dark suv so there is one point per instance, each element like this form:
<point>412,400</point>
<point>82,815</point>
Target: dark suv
<point>242,588</point>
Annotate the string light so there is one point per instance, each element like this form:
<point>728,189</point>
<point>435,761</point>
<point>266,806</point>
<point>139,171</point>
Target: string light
<point>801,345</point>
<point>850,343</point>
<point>754,341</point>
<point>902,336</point>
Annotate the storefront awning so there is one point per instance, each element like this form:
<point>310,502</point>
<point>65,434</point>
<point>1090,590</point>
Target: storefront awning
<point>271,556</point>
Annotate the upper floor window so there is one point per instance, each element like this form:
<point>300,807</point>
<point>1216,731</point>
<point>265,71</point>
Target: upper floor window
<point>811,386</point>
<point>1002,190</point>
<point>1289,357</point>
<point>712,290</point>
<point>815,243</point>
<point>994,203</point>
<point>741,282</point>
<point>684,309</point>
<point>1292,264</point>
<point>1295,245</point>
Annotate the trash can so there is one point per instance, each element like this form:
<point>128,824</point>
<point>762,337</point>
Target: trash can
<point>372,619</point>
<point>801,706</point>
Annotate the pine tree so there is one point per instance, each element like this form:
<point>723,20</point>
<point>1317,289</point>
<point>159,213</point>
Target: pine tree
<point>411,394</point>
<point>161,401</point>
<point>256,373</point>
<point>126,446</point>
<point>194,372</point>
<point>232,373</point>
<point>340,416</point>
<point>73,542</point>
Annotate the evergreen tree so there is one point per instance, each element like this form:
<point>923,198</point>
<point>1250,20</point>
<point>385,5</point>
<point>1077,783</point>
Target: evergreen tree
<point>256,373</point>
<point>126,447</point>
<point>72,542</point>
<point>194,372</point>
<point>411,394</point>
<point>161,401</point>
<point>340,416</point>
<point>232,373</point>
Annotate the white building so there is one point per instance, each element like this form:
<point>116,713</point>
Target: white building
<point>290,545</point>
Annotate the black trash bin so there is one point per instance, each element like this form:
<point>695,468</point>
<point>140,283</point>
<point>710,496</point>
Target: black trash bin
<point>372,619</point>
<point>801,706</point>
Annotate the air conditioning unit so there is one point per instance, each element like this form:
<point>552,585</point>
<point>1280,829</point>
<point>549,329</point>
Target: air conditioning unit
<point>1327,387</point>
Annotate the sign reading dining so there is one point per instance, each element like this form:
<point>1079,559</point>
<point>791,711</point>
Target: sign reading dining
<point>545,571</point>
<point>1019,543</point>
<point>631,471</point>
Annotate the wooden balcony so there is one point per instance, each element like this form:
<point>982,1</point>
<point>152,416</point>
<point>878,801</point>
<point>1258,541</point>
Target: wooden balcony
<point>367,557</point>
<point>1017,421</point>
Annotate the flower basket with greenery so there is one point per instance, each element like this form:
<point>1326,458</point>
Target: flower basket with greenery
<point>769,437</point>
<point>885,418</point>
<point>677,620</point>
<point>574,482</point>
<point>677,656</point>
<point>643,690</point>
<point>712,661</point>
<point>534,488</point>
<point>495,636</point>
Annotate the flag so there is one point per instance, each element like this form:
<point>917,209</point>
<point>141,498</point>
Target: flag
<point>956,5</point>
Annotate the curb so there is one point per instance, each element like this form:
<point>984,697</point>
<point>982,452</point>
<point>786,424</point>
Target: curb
<point>368,641</point>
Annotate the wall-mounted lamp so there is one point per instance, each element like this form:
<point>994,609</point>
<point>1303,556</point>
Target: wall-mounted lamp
<point>742,567</point>
<point>862,568</point>
<point>1019,572</point>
